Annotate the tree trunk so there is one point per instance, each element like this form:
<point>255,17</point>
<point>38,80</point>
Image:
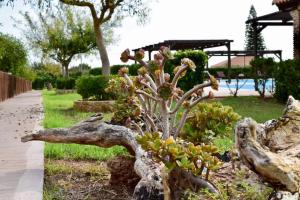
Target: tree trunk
<point>296,18</point>
<point>102,48</point>
<point>95,132</point>
<point>272,149</point>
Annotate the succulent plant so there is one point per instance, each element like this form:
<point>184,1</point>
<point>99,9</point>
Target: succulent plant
<point>125,56</point>
<point>139,55</point>
<point>188,62</point>
<point>123,71</point>
<point>165,91</point>
<point>166,52</point>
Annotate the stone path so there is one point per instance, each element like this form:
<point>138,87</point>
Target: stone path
<point>21,164</point>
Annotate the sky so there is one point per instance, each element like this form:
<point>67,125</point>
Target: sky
<point>178,19</point>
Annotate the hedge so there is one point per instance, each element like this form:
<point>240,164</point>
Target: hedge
<point>234,72</point>
<point>94,87</point>
<point>287,80</point>
<point>191,78</point>
<point>41,80</point>
<point>65,83</point>
<point>115,68</point>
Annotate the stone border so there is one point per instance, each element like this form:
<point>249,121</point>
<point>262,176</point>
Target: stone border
<point>94,106</point>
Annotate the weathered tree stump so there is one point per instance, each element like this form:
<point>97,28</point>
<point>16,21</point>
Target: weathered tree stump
<point>272,150</point>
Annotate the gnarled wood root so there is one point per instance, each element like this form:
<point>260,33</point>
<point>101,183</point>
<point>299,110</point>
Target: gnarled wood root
<point>95,132</point>
<point>272,149</point>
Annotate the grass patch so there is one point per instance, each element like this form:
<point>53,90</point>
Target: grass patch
<point>81,152</point>
<point>59,113</point>
<point>259,109</point>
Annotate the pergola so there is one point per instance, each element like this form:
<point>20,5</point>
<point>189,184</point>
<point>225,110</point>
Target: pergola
<point>190,44</point>
<point>186,44</point>
<point>288,15</point>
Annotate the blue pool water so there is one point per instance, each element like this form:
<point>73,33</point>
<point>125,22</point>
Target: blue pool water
<point>249,85</point>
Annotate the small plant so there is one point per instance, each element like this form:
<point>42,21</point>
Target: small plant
<point>93,87</point>
<point>209,121</point>
<point>262,69</point>
<point>237,189</point>
<point>194,158</point>
<point>238,84</point>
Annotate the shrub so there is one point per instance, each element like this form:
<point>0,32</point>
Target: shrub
<point>65,83</point>
<point>234,72</point>
<point>191,78</point>
<point>42,79</point>
<point>94,87</point>
<point>115,68</point>
<point>287,80</point>
<point>262,70</point>
<point>95,71</point>
<point>208,121</point>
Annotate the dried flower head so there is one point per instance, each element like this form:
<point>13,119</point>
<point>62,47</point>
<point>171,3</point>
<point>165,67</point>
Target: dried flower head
<point>166,52</point>
<point>214,82</point>
<point>139,55</point>
<point>165,91</point>
<point>125,55</point>
<point>200,92</point>
<point>211,95</point>
<point>123,71</point>
<point>176,69</point>
<point>186,104</point>
<point>153,65</point>
<point>157,73</point>
<point>142,71</point>
<point>158,56</point>
<point>167,77</point>
<point>179,91</point>
<point>188,62</point>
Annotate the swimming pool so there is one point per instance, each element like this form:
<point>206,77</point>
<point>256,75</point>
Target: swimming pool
<point>249,85</point>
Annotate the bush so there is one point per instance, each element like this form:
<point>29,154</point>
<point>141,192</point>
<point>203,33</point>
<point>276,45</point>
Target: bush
<point>42,79</point>
<point>65,83</point>
<point>94,87</point>
<point>234,72</point>
<point>115,68</point>
<point>287,80</point>
<point>209,121</point>
<point>262,70</point>
<point>191,78</point>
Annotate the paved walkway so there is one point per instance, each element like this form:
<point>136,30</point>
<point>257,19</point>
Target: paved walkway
<point>21,164</point>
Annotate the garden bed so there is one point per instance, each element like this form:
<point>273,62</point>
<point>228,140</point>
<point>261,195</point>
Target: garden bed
<point>94,106</point>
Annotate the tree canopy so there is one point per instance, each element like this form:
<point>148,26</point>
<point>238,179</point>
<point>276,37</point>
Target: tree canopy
<point>60,34</point>
<point>12,54</point>
<point>250,34</point>
<point>106,11</point>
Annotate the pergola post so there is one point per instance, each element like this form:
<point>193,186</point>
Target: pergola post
<point>149,53</point>
<point>229,61</point>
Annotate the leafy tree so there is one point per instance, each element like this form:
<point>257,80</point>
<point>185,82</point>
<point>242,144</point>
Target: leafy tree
<point>250,34</point>
<point>12,54</point>
<point>60,34</point>
<point>107,11</point>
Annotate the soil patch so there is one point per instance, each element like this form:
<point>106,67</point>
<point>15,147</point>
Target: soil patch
<point>74,180</point>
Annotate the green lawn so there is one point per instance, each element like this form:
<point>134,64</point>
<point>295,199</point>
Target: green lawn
<point>255,107</point>
<point>59,113</point>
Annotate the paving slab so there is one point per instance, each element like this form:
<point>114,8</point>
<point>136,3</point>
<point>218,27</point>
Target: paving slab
<point>21,164</point>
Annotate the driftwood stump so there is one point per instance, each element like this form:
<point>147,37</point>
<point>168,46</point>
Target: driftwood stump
<point>272,150</point>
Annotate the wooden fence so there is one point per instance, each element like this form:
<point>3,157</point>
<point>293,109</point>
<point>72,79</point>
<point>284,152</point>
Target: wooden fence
<point>11,85</point>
